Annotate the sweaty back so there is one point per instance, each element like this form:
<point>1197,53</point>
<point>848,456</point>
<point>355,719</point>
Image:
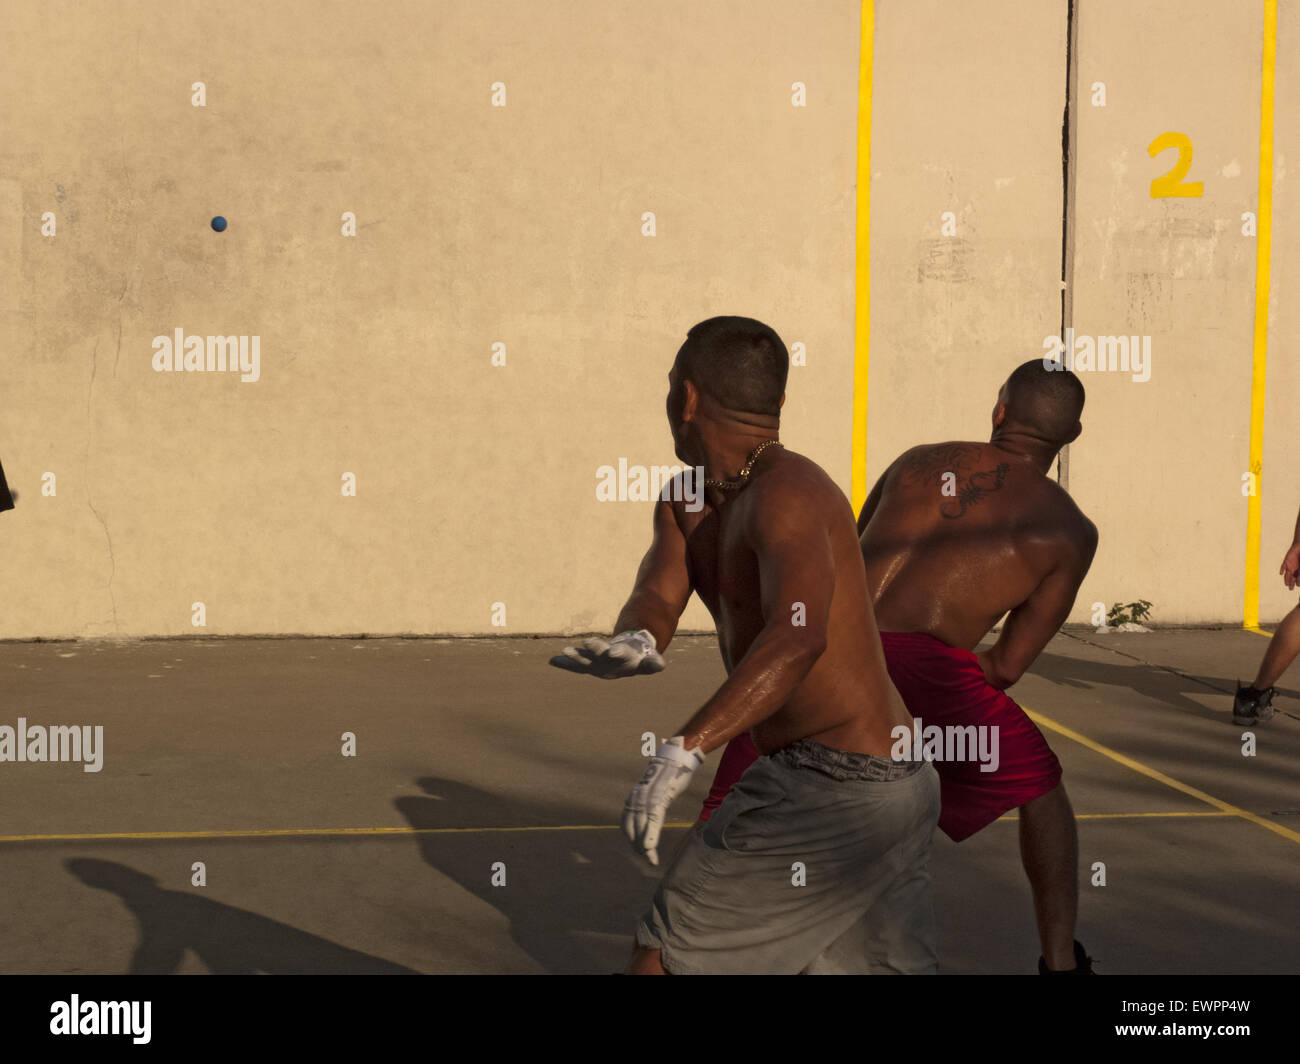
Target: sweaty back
<point>963,532</point>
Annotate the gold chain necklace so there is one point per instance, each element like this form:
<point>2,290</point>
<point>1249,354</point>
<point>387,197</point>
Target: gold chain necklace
<point>742,478</point>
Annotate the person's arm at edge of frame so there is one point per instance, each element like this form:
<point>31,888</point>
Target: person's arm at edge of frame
<point>1290,569</point>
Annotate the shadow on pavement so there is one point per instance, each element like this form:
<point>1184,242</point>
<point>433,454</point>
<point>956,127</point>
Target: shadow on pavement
<point>561,886</point>
<point>228,940</point>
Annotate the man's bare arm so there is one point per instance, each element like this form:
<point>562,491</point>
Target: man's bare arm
<point>1030,626</point>
<point>663,583</point>
<point>788,533</point>
<point>648,620</point>
<point>873,501</point>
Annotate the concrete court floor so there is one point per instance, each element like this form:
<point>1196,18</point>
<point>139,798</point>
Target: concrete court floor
<point>458,739</point>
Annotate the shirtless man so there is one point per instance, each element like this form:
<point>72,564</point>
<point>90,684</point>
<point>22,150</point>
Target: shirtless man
<point>954,535</point>
<point>1254,704</point>
<point>774,555</point>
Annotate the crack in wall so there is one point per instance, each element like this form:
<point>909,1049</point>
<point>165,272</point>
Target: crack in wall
<point>94,364</point>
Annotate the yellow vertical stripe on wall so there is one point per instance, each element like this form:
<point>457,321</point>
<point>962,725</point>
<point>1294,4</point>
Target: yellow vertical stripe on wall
<point>1263,250</point>
<point>862,263</point>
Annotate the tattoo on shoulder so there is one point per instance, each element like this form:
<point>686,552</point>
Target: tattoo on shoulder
<point>977,485</point>
<point>949,468</point>
<point>931,464</point>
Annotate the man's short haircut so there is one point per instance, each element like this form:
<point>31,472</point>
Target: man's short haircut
<point>1047,401</point>
<point>740,362</point>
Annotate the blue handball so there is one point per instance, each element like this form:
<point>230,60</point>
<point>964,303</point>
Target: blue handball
<point>219,223</point>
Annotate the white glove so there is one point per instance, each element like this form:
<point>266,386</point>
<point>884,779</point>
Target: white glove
<point>665,778</point>
<point>625,655</point>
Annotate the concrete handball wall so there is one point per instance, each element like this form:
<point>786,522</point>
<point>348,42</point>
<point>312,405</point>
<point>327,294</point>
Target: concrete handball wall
<point>1166,441</point>
<point>1161,460</point>
<point>521,233</point>
<point>966,204</point>
<point>476,225</point>
<point>1280,480</point>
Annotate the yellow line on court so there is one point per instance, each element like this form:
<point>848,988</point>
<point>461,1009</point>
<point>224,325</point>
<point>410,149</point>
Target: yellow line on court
<point>862,264</point>
<point>1160,777</point>
<point>286,833</point>
<point>1257,630</point>
<point>1124,816</point>
<point>1263,253</point>
<point>289,833</point>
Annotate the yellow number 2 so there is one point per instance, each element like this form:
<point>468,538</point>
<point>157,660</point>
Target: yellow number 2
<point>1172,184</point>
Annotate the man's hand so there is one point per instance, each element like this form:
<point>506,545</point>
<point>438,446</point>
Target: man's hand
<point>990,671</point>
<point>665,778</point>
<point>1291,567</point>
<point>625,655</point>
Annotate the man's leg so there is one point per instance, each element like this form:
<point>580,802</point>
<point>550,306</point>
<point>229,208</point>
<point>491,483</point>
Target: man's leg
<point>728,904</point>
<point>1282,650</point>
<point>896,935</point>
<point>1049,850</point>
<point>645,962</point>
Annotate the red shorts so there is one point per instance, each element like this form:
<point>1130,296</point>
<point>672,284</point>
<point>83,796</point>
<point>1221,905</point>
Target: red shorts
<point>738,756</point>
<point>946,686</point>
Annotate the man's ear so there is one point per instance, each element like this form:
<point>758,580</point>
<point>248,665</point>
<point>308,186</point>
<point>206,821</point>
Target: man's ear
<point>999,414</point>
<point>690,400</point>
<point>1078,428</point>
<point>782,403</point>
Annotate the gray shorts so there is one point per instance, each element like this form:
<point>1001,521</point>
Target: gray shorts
<point>817,862</point>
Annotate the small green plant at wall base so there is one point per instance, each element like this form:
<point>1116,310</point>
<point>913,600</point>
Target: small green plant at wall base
<point>1128,613</point>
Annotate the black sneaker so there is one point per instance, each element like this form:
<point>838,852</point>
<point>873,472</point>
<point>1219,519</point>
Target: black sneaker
<point>1082,963</point>
<point>1251,706</point>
